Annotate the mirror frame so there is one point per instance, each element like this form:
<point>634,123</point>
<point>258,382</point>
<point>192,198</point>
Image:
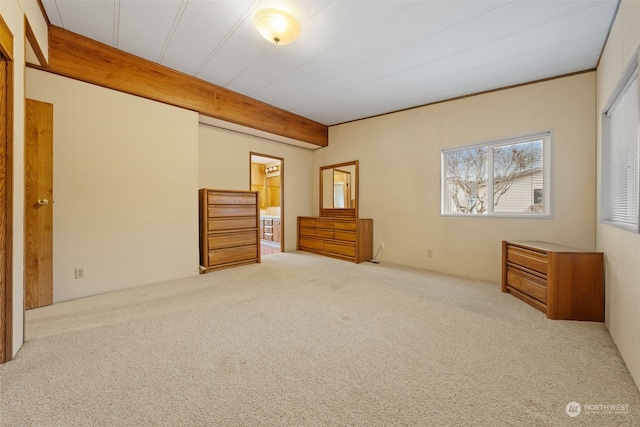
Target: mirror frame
<point>340,212</point>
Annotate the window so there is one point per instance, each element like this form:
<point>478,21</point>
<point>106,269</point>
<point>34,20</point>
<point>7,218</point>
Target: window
<point>509,177</point>
<point>620,140</point>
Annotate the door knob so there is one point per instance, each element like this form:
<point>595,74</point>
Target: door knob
<point>43,202</point>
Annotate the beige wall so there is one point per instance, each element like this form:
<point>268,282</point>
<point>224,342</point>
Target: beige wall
<point>13,13</point>
<point>399,158</point>
<point>224,163</point>
<point>125,187</point>
<point>39,26</point>
<point>621,248</point>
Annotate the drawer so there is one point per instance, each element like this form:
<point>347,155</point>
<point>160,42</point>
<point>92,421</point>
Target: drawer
<point>324,233</point>
<point>221,224</point>
<point>347,236</point>
<point>268,221</point>
<point>529,284</point>
<point>536,261</point>
<point>345,225</point>
<point>307,231</point>
<point>324,223</point>
<point>317,245</point>
<point>268,236</point>
<point>307,222</point>
<point>227,240</point>
<point>268,228</point>
<point>228,255</point>
<point>337,248</point>
<point>231,199</point>
<point>217,211</point>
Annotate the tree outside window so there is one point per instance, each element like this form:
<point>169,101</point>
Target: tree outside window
<point>508,177</point>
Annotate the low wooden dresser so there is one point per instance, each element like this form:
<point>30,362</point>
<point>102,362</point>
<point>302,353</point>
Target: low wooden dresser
<point>563,282</point>
<point>229,228</point>
<point>349,239</point>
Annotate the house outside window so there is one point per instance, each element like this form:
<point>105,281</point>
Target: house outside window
<point>510,177</point>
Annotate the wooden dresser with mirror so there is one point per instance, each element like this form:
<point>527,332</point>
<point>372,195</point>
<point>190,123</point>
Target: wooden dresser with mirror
<point>338,232</point>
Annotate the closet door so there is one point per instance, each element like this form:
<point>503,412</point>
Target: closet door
<point>38,244</point>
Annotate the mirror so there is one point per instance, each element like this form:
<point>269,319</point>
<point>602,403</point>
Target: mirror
<point>339,190</point>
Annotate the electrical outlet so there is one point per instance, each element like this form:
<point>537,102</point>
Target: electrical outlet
<point>382,245</point>
<point>429,253</point>
<point>79,273</point>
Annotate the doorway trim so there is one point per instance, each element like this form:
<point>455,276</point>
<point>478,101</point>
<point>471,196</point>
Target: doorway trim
<point>6,193</point>
<point>282,216</point>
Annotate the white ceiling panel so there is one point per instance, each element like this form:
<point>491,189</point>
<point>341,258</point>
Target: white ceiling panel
<point>492,76</point>
<point>478,33</point>
<point>204,28</point>
<point>447,54</point>
<point>439,43</point>
<point>235,54</point>
<point>355,58</point>
<point>357,51</point>
<point>146,25</point>
<point>51,9</point>
<point>318,40</point>
<point>95,19</point>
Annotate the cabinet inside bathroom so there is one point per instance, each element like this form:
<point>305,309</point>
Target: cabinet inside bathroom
<point>270,228</point>
<point>266,179</point>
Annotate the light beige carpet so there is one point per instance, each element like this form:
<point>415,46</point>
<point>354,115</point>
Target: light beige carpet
<point>303,340</point>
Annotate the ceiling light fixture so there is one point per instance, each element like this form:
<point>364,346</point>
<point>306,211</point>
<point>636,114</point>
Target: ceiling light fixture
<point>277,26</point>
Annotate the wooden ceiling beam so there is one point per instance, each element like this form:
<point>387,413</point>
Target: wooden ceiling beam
<point>80,58</point>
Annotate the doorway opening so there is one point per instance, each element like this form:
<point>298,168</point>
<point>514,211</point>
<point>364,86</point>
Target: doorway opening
<point>267,178</point>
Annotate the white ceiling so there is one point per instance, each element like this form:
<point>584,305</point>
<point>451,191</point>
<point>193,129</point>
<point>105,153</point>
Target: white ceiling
<point>354,58</point>
<point>262,160</point>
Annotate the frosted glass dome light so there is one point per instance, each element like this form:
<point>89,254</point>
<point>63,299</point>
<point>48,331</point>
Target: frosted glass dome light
<point>277,26</point>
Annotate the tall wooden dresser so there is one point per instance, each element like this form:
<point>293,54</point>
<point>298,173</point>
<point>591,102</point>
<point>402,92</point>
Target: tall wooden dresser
<point>562,282</point>
<point>229,228</point>
<point>349,239</point>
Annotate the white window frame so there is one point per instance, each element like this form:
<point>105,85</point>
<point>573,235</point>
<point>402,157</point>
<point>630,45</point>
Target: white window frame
<point>609,162</point>
<point>545,136</point>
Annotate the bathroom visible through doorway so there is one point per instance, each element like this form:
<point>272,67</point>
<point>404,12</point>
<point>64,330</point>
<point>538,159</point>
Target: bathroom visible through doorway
<point>267,178</point>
